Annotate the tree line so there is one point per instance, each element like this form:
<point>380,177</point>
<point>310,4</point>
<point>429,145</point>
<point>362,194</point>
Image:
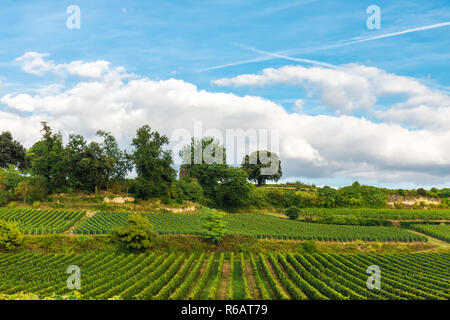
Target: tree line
<point>50,166</point>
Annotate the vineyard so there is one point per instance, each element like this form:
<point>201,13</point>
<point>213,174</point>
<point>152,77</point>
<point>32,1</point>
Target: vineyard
<point>441,231</point>
<point>154,275</point>
<point>41,221</point>
<point>387,214</point>
<point>258,225</point>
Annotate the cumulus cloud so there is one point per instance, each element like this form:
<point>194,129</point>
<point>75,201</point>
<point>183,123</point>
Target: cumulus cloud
<point>351,87</point>
<point>35,63</point>
<point>310,146</point>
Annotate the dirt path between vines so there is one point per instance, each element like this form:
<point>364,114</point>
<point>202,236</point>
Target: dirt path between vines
<point>224,280</point>
<point>87,215</point>
<point>251,280</point>
<point>441,245</point>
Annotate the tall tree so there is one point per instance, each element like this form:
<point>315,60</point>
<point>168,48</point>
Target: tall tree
<point>47,158</point>
<point>88,164</point>
<point>258,162</point>
<point>205,160</point>
<point>152,163</point>
<point>11,152</point>
<point>225,186</point>
<point>121,161</point>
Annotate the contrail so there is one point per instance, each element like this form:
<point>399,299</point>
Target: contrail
<point>276,55</point>
<point>281,54</point>
<point>394,34</point>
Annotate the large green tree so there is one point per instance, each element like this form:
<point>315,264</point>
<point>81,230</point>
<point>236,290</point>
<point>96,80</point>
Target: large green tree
<point>232,190</point>
<point>262,166</point>
<point>204,160</point>
<point>48,158</point>
<point>224,186</point>
<point>121,161</point>
<point>88,164</point>
<point>11,152</point>
<point>153,164</point>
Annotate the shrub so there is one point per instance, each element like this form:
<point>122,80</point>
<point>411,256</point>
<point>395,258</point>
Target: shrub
<point>3,198</point>
<point>309,246</point>
<point>104,206</point>
<point>214,226</point>
<point>10,236</point>
<point>139,235</point>
<point>36,204</point>
<point>293,212</point>
<point>12,205</point>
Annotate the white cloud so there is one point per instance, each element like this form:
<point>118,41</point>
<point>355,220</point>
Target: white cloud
<point>298,105</point>
<point>310,146</point>
<point>34,63</point>
<point>353,87</point>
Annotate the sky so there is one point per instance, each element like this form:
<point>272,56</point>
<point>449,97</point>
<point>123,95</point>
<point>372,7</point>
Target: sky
<point>343,98</point>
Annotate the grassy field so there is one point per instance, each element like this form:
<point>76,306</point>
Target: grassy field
<point>252,224</point>
<point>207,275</point>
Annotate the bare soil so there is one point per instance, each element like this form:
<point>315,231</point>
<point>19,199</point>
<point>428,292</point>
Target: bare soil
<point>224,280</point>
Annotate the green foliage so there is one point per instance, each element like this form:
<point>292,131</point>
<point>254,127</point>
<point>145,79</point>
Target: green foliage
<point>232,191</point>
<point>88,165</point>
<point>309,246</point>
<point>33,221</point>
<point>153,164</point>
<point>48,158</point>
<point>205,161</point>
<point>440,231</point>
<point>139,235</point>
<point>10,236</point>
<point>12,205</point>
<point>11,152</point>
<point>253,224</point>
<point>121,162</point>
<point>292,212</point>
<point>3,198</point>
<point>214,226</point>
<point>189,189</point>
<point>422,192</point>
<point>179,276</point>
<point>257,161</point>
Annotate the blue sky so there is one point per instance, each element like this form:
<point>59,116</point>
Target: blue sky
<point>199,42</point>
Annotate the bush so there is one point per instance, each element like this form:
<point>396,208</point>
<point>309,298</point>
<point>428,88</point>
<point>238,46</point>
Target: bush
<point>10,236</point>
<point>104,206</point>
<point>214,225</point>
<point>36,204</point>
<point>309,246</point>
<point>3,198</point>
<point>139,235</point>
<point>292,212</point>
<point>189,189</point>
<point>12,205</point>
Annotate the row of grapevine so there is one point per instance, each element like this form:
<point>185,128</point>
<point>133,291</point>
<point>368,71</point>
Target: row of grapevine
<point>219,274</point>
<point>387,214</point>
<point>440,231</point>
<point>104,275</point>
<point>258,225</point>
<point>33,221</point>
